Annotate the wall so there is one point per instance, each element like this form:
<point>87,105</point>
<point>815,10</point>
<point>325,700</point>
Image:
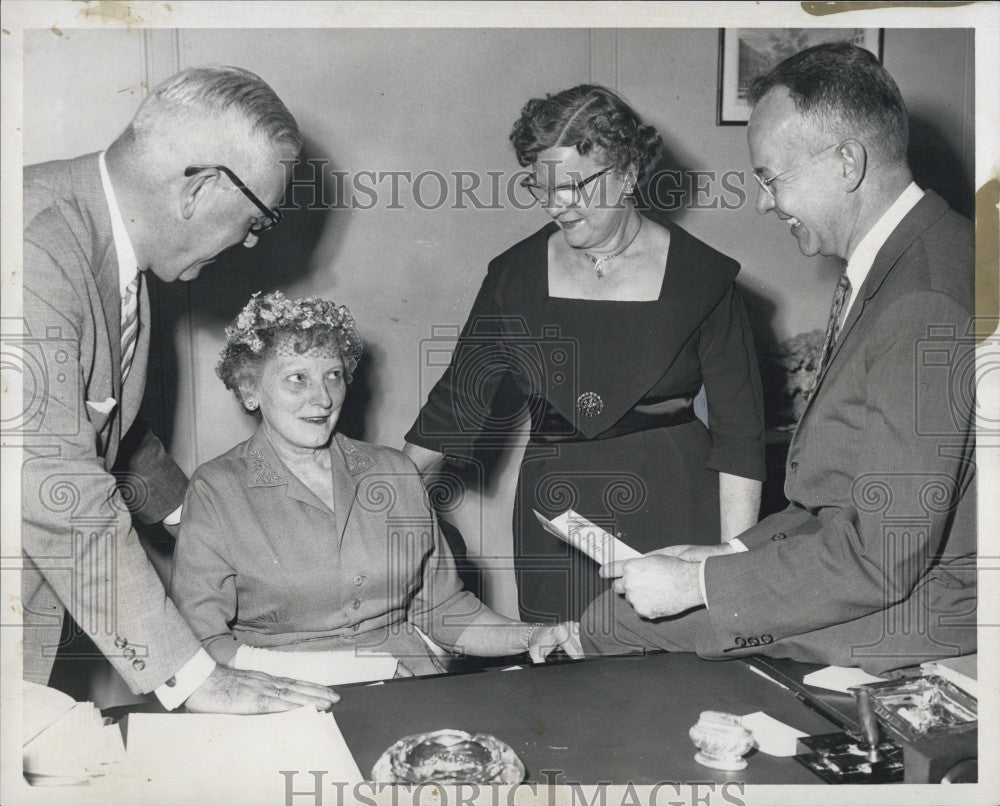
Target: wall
<point>384,100</point>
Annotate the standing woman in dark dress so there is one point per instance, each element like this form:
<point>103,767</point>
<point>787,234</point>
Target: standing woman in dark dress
<point>607,324</point>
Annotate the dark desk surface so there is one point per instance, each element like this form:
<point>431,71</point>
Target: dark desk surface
<point>613,720</point>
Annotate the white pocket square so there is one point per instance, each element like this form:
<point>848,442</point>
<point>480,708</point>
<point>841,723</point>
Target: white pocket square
<point>104,407</point>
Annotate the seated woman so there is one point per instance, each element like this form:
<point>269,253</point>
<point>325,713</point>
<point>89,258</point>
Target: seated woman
<point>307,554</point>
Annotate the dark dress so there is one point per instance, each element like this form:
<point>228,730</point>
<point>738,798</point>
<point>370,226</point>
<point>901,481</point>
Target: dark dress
<point>610,388</point>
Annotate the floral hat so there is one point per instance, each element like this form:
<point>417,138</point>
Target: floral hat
<point>275,311</point>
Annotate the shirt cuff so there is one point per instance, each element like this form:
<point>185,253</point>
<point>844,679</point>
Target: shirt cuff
<point>174,517</point>
<point>187,680</point>
<point>738,548</point>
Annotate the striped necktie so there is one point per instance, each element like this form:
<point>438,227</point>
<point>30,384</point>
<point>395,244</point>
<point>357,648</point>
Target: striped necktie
<point>130,323</point>
<point>840,297</point>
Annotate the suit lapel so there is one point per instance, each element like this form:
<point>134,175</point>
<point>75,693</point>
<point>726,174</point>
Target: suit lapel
<point>928,210</point>
<point>93,204</point>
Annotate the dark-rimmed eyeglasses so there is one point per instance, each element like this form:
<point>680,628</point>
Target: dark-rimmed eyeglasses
<point>546,195</point>
<point>766,183</point>
<point>270,218</point>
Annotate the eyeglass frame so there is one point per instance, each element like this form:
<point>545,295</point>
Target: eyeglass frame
<point>273,217</point>
<point>766,183</point>
<point>573,186</point>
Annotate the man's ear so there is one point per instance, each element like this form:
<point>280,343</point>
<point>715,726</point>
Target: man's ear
<point>854,162</point>
<point>196,189</point>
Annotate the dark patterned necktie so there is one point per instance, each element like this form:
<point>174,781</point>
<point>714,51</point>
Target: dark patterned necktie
<point>130,324</point>
<point>840,297</point>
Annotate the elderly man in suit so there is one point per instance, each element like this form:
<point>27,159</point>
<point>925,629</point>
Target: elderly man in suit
<point>872,564</point>
<point>200,168</point>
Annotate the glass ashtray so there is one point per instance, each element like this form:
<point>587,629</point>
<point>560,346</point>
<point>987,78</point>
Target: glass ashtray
<point>919,708</point>
<point>449,757</point>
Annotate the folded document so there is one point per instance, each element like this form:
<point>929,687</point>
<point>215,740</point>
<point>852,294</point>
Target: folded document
<point>592,540</point>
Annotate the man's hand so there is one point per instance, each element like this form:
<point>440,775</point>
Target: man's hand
<point>657,585</point>
<point>235,691</point>
<point>695,554</point>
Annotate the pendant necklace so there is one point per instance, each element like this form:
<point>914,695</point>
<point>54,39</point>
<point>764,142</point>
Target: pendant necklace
<point>599,261</point>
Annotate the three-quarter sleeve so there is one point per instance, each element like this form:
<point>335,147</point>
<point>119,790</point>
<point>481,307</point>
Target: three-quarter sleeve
<point>203,582</point>
<point>733,389</point>
<point>475,395</point>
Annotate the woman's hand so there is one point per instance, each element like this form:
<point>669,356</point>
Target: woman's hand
<point>416,666</point>
<point>543,639</point>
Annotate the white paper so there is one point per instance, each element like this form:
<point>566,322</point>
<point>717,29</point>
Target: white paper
<point>840,678</point>
<point>74,748</point>
<point>773,736</point>
<point>326,668</point>
<point>212,758</point>
<point>42,706</point>
<point>601,546</point>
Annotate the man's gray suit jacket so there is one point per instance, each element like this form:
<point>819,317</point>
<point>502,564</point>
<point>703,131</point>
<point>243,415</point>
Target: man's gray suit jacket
<point>873,562</point>
<point>81,553</point>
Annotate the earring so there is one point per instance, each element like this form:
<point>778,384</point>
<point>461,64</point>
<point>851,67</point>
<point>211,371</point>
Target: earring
<point>251,405</point>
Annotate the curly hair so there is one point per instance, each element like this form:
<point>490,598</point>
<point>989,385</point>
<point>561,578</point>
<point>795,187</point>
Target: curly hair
<point>273,323</point>
<point>588,117</point>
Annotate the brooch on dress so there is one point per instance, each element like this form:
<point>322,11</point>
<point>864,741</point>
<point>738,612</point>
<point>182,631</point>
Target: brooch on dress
<point>589,404</point>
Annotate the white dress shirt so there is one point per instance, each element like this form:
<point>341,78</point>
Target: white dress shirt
<point>859,264</point>
<point>190,676</point>
<point>863,257</point>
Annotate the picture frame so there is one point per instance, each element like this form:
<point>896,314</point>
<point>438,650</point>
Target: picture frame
<point>745,53</point>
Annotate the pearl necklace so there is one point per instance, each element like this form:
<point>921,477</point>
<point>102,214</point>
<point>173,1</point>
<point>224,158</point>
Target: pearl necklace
<point>599,261</point>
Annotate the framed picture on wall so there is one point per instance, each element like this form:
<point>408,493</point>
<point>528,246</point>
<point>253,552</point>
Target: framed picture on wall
<point>745,53</point>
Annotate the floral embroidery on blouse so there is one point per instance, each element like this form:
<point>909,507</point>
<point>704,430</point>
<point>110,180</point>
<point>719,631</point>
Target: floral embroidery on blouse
<point>356,459</point>
<point>261,470</point>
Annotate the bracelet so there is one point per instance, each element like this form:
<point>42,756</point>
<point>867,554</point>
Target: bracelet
<point>531,634</point>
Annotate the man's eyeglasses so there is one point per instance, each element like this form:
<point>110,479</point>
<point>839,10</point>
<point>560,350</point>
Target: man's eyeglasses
<point>271,217</point>
<point>766,183</point>
<point>546,195</point>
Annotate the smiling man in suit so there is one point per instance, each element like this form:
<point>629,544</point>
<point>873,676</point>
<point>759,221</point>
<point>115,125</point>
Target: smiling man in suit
<point>200,168</point>
<point>872,564</point>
